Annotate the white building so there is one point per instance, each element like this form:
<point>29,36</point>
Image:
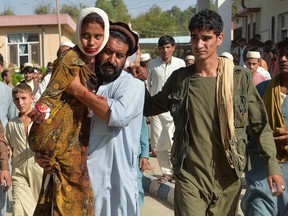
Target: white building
<point>268,18</point>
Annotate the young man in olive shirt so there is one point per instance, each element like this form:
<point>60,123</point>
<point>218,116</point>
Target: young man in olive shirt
<point>211,111</point>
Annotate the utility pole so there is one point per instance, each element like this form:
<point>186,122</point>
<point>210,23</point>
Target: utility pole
<point>58,18</point>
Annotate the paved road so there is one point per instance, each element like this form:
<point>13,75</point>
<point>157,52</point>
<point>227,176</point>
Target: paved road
<point>155,204</point>
<point>153,207</point>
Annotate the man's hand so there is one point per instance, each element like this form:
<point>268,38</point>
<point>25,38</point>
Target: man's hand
<point>143,164</point>
<point>281,134</point>
<point>278,182</point>
<point>74,86</point>
<point>43,161</point>
<point>138,72</point>
<point>39,113</point>
<point>5,176</point>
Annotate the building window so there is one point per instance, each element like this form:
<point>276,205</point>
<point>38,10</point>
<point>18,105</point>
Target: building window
<point>283,18</point>
<point>23,47</point>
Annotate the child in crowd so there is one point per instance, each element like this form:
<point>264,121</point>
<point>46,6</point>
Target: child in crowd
<point>63,137</point>
<point>26,173</point>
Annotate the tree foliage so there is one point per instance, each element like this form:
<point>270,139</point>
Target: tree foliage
<point>7,12</point>
<point>43,8</point>
<point>235,4</point>
<point>156,22</point>
<point>152,23</point>
<point>72,10</point>
<point>116,9</point>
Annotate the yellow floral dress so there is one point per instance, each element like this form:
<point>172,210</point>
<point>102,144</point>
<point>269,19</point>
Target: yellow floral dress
<point>67,191</point>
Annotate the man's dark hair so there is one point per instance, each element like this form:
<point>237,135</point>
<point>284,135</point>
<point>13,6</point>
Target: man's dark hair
<point>1,60</point>
<point>207,20</point>
<point>22,87</point>
<point>241,40</point>
<point>4,73</point>
<point>283,45</point>
<point>123,37</point>
<point>28,69</point>
<point>166,39</point>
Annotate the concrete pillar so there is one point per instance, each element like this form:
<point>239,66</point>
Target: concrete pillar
<point>244,27</point>
<point>224,8</point>
<point>203,4</point>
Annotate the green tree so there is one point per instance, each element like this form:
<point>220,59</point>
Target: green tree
<point>212,5</point>
<point>43,8</point>
<point>156,22</point>
<point>235,4</point>
<point>116,9</point>
<point>120,11</point>
<point>7,12</point>
<point>148,24</point>
<point>106,6</point>
<point>72,10</point>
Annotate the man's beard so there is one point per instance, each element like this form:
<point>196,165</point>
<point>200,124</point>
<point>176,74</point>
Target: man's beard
<point>107,72</point>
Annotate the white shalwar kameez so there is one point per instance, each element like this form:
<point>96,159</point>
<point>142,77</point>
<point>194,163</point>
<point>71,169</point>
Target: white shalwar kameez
<point>162,126</point>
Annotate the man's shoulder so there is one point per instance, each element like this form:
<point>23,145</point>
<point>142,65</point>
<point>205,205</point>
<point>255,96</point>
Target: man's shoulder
<point>154,63</point>
<point>238,70</point>
<point>5,88</point>
<point>176,59</point>
<point>261,87</point>
<point>182,73</point>
<point>125,76</point>
<point>13,121</point>
<point>242,76</point>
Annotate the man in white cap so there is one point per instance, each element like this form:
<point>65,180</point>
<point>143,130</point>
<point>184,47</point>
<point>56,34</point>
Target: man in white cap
<point>253,63</point>
<point>28,71</point>
<point>189,60</point>
<point>145,59</point>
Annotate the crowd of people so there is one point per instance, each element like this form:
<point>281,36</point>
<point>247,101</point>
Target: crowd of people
<point>76,142</point>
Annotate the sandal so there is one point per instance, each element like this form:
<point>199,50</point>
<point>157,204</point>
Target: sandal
<point>166,178</point>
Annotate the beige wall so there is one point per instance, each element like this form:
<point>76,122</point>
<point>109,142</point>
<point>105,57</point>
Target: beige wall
<point>48,33</point>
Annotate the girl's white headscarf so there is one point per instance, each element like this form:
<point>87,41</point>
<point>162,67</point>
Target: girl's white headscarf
<point>83,13</point>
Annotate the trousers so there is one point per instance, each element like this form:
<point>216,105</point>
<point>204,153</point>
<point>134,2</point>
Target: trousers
<point>258,199</point>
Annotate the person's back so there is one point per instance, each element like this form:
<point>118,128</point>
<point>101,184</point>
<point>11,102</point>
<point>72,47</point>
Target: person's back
<point>26,173</point>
